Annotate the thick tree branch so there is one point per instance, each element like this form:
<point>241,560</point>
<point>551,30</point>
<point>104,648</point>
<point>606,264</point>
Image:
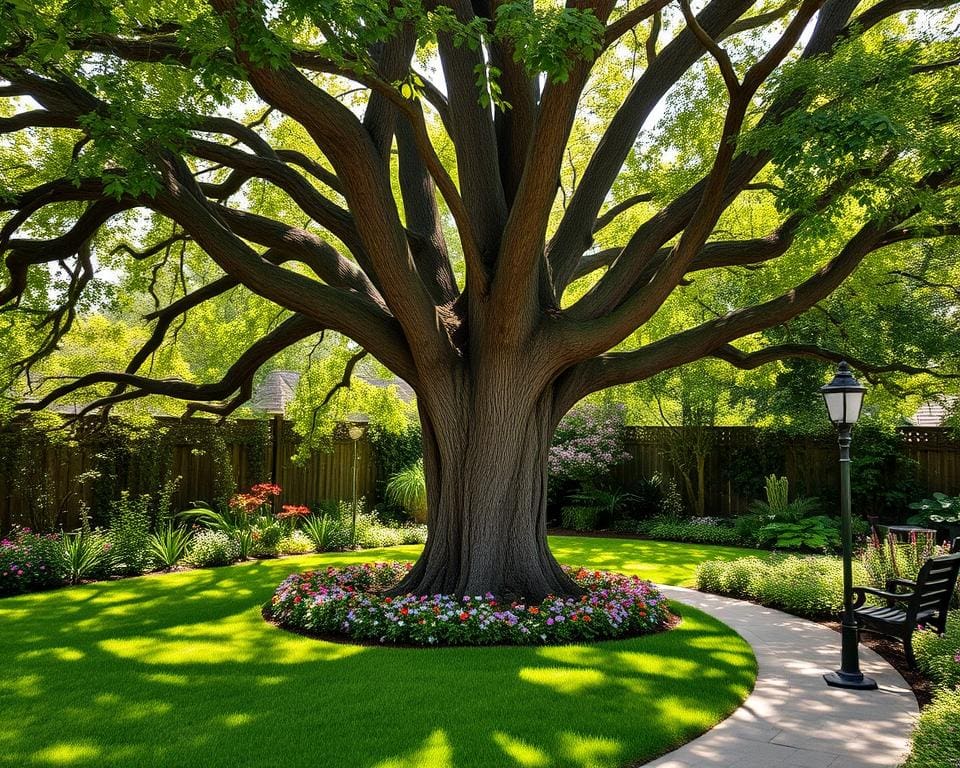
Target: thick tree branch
<point>750,360</point>
<point>623,24</point>
<point>617,310</point>
<point>237,377</point>
<point>623,367</point>
<point>574,233</point>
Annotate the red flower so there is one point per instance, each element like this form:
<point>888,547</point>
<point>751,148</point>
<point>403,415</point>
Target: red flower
<point>246,503</point>
<point>404,611</point>
<point>266,489</point>
<point>388,600</point>
<point>293,510</point>
<point>464,616</point>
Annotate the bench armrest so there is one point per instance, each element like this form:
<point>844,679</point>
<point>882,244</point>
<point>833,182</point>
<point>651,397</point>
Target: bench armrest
<point>893,583</point>
<point>860,596</point>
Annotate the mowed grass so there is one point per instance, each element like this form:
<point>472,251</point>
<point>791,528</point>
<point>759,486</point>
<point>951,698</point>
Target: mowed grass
<point>181,670</point>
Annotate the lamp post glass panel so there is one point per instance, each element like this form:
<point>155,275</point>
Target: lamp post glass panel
<point>844,398</point>
<point>358,426</point>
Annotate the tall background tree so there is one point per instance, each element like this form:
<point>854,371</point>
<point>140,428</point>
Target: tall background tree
<point>507,204</point>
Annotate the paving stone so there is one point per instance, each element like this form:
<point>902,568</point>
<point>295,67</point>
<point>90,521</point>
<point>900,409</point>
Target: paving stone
<point>792,719</point>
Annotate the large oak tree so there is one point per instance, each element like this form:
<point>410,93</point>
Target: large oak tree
<point>421,154</point>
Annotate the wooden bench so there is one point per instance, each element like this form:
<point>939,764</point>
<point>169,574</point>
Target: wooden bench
<point>926,602</point>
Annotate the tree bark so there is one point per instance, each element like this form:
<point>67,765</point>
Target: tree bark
<point>486,470</point>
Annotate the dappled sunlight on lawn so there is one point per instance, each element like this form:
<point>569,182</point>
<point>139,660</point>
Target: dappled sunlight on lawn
<point>436,752</point>
<point>181,669</point>
<point>664,562</point>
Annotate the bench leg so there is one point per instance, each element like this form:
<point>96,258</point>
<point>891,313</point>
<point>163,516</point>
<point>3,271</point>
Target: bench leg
<point>908,651</point>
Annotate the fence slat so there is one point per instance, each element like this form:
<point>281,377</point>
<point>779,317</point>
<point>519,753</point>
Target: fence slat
<point>810,466</point>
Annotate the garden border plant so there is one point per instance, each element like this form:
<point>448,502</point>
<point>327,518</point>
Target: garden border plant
<point>351,603</point>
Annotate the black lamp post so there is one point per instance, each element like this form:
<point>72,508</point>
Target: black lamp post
<point>844,398</point>
<point>358,426</point>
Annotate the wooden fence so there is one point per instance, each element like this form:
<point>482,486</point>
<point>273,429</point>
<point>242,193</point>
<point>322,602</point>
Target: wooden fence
<point>43,483</point>
<point>811,466</point>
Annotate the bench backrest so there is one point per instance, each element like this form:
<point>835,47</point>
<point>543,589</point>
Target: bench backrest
<point>935,584</point>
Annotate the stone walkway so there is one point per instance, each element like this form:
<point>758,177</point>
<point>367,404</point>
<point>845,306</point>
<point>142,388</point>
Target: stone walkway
<point>792,719</point>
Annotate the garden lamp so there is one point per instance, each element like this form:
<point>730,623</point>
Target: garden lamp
<point>356,430</point>
<point>844,398</point>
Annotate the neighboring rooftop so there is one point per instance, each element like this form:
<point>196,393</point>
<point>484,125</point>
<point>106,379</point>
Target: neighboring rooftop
<point>933,413</point>
<point>276,392</point>
<point>278,388</point>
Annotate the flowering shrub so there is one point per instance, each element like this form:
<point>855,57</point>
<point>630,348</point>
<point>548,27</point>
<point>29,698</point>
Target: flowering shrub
<point>346,601</point>
<point>293,511</point>
<point>29,561</point>
<point>255,501</point>
<point>588,442</point>
<point>296,543</point>
<point>212,548</point>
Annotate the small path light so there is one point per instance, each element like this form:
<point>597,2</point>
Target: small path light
<point>844,398</point>
<point>358,427</point>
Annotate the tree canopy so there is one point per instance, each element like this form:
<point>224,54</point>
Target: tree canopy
<point>511,205</point>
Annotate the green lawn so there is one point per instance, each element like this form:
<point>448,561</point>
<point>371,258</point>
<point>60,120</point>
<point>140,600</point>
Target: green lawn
<point>180,670</point>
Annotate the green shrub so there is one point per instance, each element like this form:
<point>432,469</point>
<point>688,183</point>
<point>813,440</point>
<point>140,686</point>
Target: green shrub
<point>169,545</point>
<point>266,534</point>
<point>610,502</point>
<point>645,498</point>
<point>810,586</point>
<point>710,576</point>
<point>212,548</point>
<point>408,489</point>
<point>295,543</point>
<point>338,534</point>
<point>743,577</point>
<point>86,555</point>
<point>937,655</point>
<point>669,529</point>
<point>579,518</point>
<point>936,739</point>
<point>819,532</point>
<point>318,527</point>
<point>806,586</point>
<point>244,539</point>
<point>130,534</point>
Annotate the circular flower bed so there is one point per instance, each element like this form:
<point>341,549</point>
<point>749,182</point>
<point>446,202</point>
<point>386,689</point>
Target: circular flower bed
<point>348,602</point>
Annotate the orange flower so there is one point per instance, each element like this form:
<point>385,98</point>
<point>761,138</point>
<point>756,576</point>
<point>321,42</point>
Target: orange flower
<point>534,610</point>
<point>293,510</point>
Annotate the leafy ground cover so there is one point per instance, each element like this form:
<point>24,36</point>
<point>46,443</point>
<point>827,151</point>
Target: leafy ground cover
<point>181,669</point>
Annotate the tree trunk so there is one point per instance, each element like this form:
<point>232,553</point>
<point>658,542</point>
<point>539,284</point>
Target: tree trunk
<point>486,470</point>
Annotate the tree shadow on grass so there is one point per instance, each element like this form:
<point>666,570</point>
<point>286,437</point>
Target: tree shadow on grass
<point>181,670</point>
